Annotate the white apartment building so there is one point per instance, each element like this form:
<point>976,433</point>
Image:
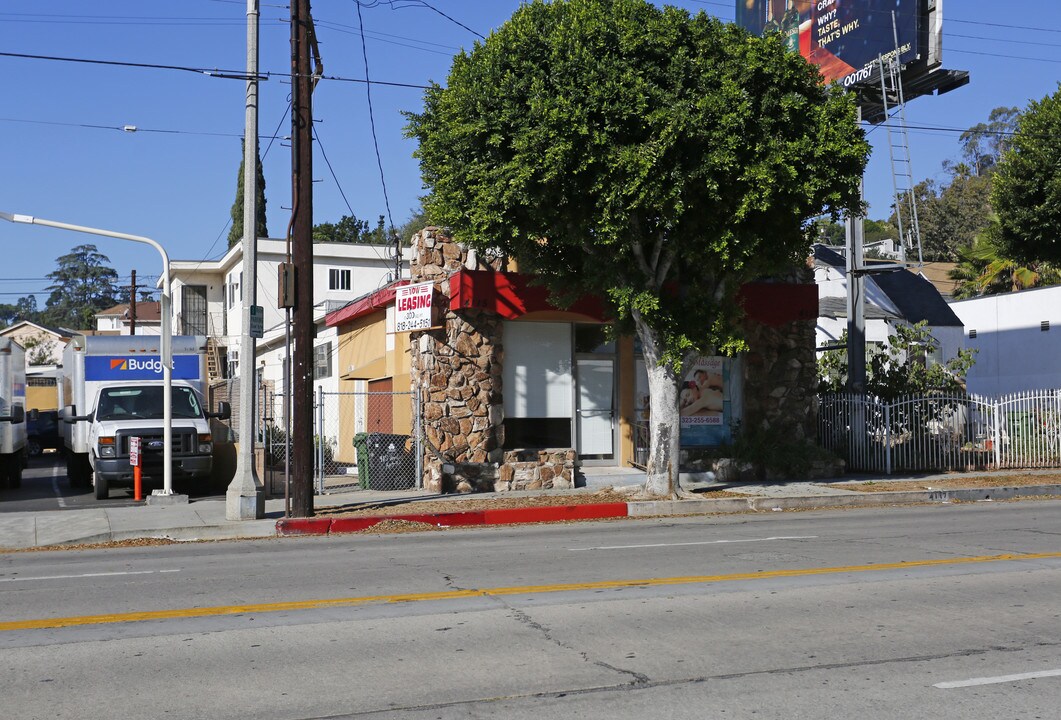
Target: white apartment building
<point>208,297</point>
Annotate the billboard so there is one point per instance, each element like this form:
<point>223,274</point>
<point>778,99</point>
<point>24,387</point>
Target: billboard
<point>842,37</point>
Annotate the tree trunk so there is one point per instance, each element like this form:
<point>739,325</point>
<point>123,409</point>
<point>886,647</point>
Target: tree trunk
<point>664,423</point>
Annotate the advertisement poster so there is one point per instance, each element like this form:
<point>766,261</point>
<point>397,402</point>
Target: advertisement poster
<point>842,37</point>
<point>412,304</point>
<point>703,403</point>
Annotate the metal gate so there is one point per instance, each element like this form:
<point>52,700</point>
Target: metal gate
<point>367,441</point>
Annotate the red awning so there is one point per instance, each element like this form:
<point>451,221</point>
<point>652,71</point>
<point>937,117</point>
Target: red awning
<point>510,295</point>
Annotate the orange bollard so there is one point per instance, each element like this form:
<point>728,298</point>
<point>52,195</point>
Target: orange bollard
<point>137,489</point>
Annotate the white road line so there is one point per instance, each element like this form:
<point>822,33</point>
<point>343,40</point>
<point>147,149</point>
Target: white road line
<point>55,486</point>
<point>87,575</point>
<point>995,680</point>
<point>704,542</point>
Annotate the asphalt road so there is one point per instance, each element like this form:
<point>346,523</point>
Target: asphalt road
<point>45,488</point>
<point>892,613</point>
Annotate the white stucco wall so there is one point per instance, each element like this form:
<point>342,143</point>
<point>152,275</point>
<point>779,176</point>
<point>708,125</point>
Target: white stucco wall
<point>1013,353</point>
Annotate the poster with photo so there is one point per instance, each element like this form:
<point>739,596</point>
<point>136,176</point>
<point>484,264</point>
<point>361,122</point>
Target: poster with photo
<point>704,402</point>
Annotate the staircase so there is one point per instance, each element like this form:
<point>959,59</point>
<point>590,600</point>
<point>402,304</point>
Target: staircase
<point>213,359</point>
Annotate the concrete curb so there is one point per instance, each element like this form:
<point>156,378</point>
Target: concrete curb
<point>288,527</point>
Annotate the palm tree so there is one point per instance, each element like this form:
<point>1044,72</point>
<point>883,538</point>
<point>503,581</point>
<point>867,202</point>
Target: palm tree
<point>984,270</point>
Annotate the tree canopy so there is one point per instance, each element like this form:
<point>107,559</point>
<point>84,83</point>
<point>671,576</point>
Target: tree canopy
<point>985,269</point>
<point>235,233</point>
<point>83,283</point>
<point>655,159</point>
<point>1027,185</point>
<point>350,229</point>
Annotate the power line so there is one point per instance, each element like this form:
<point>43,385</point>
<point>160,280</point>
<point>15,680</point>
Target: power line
<point>372,119</point>
<point>211,72</point>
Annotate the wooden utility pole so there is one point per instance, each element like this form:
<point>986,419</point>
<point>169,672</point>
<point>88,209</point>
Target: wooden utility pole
<point>132,305</point>
<point>302,258</point>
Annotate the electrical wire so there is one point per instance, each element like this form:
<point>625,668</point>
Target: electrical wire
<point>372,117</point>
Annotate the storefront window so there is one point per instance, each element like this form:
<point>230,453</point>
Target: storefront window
<point>593,339</point>
<point>538,383</point>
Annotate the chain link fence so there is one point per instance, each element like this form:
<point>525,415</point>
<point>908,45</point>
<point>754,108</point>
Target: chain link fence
<point>355,445</point>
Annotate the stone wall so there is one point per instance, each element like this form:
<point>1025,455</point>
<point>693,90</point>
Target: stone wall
<point>458,369</point>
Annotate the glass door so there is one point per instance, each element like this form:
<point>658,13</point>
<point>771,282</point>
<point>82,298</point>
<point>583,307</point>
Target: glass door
<point>595,412</point>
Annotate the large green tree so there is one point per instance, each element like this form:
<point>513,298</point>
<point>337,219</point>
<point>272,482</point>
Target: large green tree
<point>1027,187</point>
<point>984,143</point>
<point>950,216</point>
<point>235,232</point>
<point>655,159</point>
<point>83,283</point>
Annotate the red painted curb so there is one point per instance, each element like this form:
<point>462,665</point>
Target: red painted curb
<point>551,513</point>
<point>303,526</point>
<point>555,513</point>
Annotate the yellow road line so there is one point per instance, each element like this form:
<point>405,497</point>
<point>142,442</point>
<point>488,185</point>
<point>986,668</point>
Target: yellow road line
<point>215,611</point>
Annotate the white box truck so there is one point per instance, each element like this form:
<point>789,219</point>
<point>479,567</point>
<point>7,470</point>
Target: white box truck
<point>114,384</point>
<point>12,412</point>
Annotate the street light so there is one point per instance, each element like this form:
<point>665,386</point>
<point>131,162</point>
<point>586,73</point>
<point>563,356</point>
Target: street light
<point>166,343</point>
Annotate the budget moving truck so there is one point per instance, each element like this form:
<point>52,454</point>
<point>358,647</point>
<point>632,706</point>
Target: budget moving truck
<point>12,412</point>
<point>114,384</point>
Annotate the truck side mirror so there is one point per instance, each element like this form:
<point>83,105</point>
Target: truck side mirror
<point>69,415</point>
<point>17,416</point>
<point>224,411</point>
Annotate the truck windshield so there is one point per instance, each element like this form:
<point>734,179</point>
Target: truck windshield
<point>118,403</point>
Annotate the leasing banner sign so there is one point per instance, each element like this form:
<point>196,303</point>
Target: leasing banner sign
<point>413,305</point>
<point>842,37</point>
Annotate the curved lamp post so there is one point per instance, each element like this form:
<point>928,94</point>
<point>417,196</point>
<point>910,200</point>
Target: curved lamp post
<point>166,343</point>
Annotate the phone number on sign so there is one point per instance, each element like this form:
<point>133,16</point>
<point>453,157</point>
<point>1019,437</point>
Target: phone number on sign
<point>413,324</point>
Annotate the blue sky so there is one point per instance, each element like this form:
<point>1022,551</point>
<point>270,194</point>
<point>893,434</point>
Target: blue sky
<point>66,157</point>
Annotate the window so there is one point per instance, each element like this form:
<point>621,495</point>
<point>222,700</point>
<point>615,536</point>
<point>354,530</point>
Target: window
<point>338,279</point>
<point>1044,326</point>
<point>972,334</point>
<point>322,360</point>
<point>538,384</point>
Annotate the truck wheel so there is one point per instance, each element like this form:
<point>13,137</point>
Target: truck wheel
<point>33,447</point>
<point>102,491</point>
<point>14,476</point>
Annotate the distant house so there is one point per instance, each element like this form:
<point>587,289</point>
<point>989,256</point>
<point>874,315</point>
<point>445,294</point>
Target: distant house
<point>892,297</point>
<point>43,345</point>
<point>1017,338</point>
<point>118,320</point>
<point>44,351</point>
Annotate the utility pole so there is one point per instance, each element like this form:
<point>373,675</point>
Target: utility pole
<point>132,304</point>
<point>302,258</point>
<point>245,496</point>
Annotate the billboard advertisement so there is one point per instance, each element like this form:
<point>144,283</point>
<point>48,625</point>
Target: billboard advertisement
<point>842,37</point>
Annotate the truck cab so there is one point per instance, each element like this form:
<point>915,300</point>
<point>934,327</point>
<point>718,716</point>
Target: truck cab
<point>135,410</point>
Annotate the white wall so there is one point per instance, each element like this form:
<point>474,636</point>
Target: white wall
<point>1012,351</point>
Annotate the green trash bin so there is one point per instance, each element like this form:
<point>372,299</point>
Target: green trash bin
<point>361,444</point>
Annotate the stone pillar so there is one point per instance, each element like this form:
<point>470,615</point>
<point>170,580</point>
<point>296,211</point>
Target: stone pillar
<point>457,369</point>
<point>781,378</point>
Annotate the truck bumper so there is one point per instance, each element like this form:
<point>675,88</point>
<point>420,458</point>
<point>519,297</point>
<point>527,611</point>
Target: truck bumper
<point>119,472</point>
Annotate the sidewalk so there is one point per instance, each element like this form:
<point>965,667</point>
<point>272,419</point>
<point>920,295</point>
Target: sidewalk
<point>205,519</point>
